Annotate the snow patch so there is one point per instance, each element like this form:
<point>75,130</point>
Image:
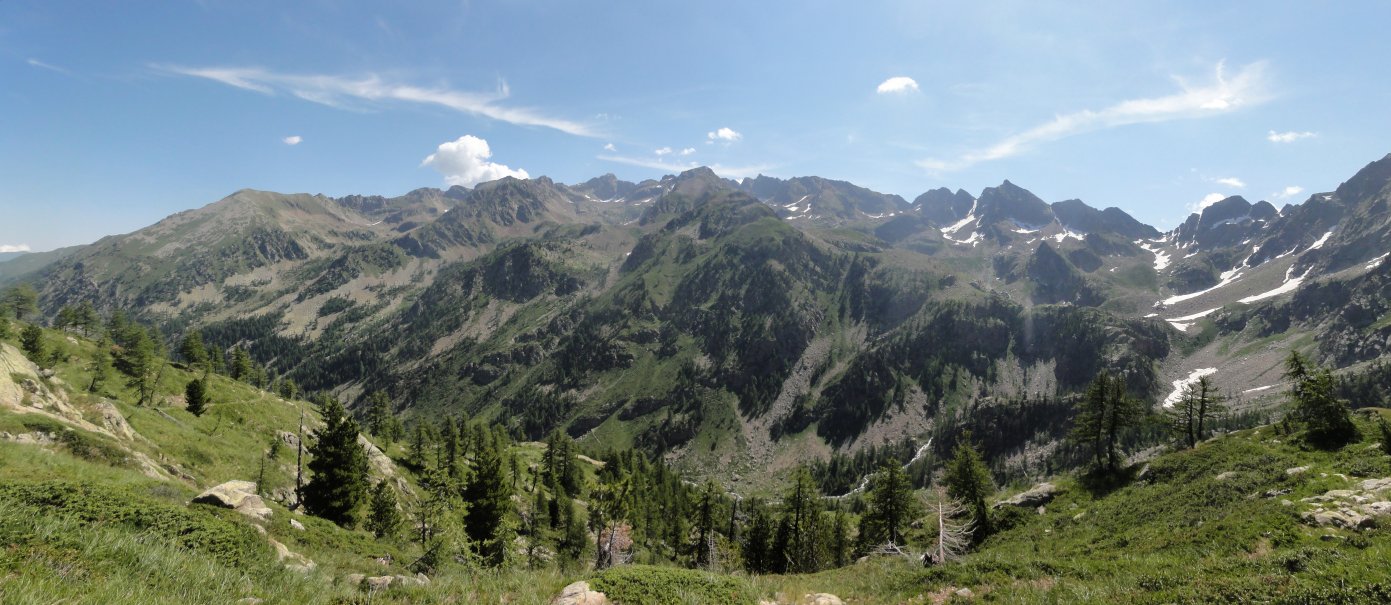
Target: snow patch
<point>1161,258</point>
<point>1228,277</point>
<point>1291,284</point>
<point>1319,244</point>
<point>1185,322</point>
<point>1258,389</point>
<point>1182,383</point>
<point>1376,262</point>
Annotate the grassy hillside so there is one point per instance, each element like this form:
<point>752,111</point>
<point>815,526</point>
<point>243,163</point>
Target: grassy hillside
<point>94,513</point>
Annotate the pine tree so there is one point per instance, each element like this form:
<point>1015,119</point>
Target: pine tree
<point>1385,429</point>
<point>891,507</point>
<point>241,365</point>
<point>969,481</point>
<point>384,520</point>
<point>338,485</point>
<point>4,327</point>
<point>1327,420</point>
<point>758,540</point>
<point>19,301</point>
<point>419,447</point>
<point>31,340</point>
<point>195,394</point>
<point>489,501</point>
<point>840,539</point>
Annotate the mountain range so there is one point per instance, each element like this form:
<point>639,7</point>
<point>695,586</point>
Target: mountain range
<point>750,325</point>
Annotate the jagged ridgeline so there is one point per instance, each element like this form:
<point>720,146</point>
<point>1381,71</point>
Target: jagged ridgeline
<point>746,326</point>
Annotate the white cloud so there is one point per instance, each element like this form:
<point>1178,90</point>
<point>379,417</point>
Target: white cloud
<point>1289,136</point>
<point>663,151</point>
<point>348,92</point>
<point>49,66</point>
<point>1232,181</point>
<point>1208,200</point>
<point>733,172</point>
<point>13,248</point>
<point>728,135</point>
<point>688,151</point>
<point>897,84</point>
<point>609,147</point>
<point>1287,192</point>
<point>464,161</point>
<point>1223,95</point>
<point>292,140</point>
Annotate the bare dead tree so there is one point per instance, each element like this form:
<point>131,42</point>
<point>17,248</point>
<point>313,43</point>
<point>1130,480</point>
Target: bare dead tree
<point>954,528</point>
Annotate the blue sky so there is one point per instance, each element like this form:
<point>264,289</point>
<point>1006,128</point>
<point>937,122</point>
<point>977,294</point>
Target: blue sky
<point>115,114</point>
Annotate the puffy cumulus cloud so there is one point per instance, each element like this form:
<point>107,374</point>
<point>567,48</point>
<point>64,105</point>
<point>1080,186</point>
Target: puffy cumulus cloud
<point>1287,192</point>
<point>13,248</point>
<point>609,147</point>
<point>464,161</point>
<point>1231,181</point>
<point>725,134</point>
<point>688,151</point>
<point>292,140</point>
<point>1289,136</point>
<point>897,84</point>
<point>1224,94</point>
<point>662,151</point>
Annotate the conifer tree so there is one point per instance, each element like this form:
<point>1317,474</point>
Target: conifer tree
<point>19,301</point>
<point>490,502</point>
<point>195,394</point>
<point>100,366</point>
<point>891,507</point>
<point>758,540</point>
<point>384,520</point>
<point>968,481</point>
<point>338,486</point>
<point>31,340</point>
<point>801,525</point>
<point>378,414</point>
<point>571,538</point>
<point>141,363</point>
<point>192,351</point>
<point>4,326</point>
<point>1327,420</point>
<point>707,512</point>
<point>87,318</point>
<point>1192,416</point>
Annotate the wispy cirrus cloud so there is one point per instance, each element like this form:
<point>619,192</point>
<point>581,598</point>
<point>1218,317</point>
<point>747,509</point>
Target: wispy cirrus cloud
<point>346,92</point>
<point>1231,181</point>
<point>49,66</point>
<point>1224,94</point>
<point>1289,136</point>
<point>734,172</point>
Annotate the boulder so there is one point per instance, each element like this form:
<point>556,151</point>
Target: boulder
<point>379,582</point>
<point>822,598</point>
<point>291,559</point>
<point>296,524</point>
<point>1376,485</point>
<point>1298,470</point>
<point>1377,509</point>
<point>354,579</point>
<point>1035,497</point>
<point>580,594</point>
<point>964,593</point>
<point>1225,475</point>
<point>114,421</point>
<point>419,579</point>
<point>290,440</point>
<point>237,495</point>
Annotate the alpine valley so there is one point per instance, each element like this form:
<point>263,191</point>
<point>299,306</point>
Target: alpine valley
<point>741,328</point>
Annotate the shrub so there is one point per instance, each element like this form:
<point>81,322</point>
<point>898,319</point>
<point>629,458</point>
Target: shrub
<point>644,585</point>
